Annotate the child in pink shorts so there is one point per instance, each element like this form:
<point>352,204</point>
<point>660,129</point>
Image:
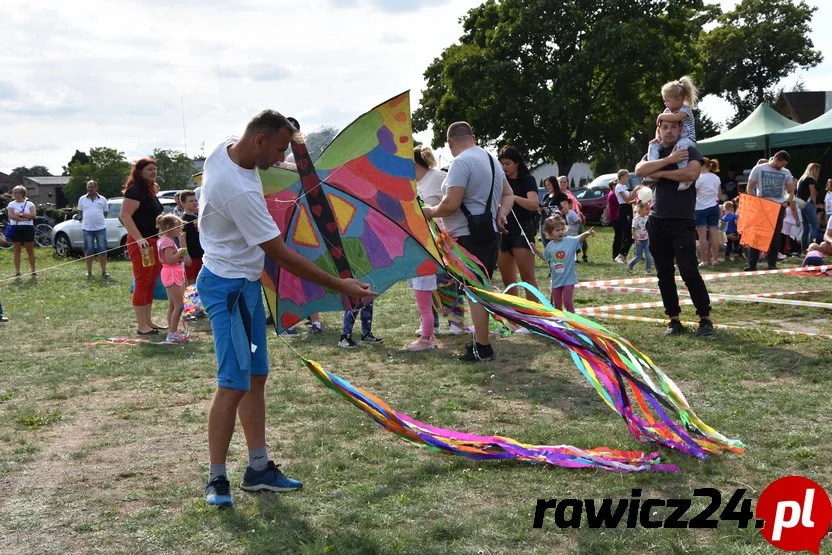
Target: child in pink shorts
<point>173,272</point>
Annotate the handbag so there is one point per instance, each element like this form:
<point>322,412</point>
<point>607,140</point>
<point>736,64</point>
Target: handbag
<point>481,226</point>
<point>8,232</point>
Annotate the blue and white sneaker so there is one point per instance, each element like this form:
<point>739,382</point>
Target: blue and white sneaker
<point>269,479</point>
<point>218,492</point>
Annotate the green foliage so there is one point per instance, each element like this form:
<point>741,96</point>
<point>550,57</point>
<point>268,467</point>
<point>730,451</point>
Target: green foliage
<point>175,169</point>
<point>33,420</point>
<point>107,166</point>
<point>753,47</point>
<point>35,171</point>
<point>563,79</point>
<point>79,157</point>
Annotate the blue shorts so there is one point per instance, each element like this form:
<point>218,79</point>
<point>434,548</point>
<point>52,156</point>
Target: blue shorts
<point>238,321</point>
<point>95,242</point>
<point>708,217</point>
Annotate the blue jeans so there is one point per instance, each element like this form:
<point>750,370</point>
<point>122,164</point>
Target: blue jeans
<point>642,251</point>
<point>366,320</point>
<point>811,225</point>
<point>95,242</point>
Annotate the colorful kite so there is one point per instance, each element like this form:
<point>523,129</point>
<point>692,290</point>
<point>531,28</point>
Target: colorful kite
<point>356,215</point>
<point>757,221</point>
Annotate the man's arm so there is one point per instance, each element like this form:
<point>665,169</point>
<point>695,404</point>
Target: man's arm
<point>690,173</point>
<point>285,257</point>
<point>449,204</point>
<point>650,168</point>
<point>751,188</point>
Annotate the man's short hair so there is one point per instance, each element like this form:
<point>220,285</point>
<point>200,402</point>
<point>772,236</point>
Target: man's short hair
<point>460,129</point>
<point>781,155</point>
<point>93,182</point>
<point>269,121</point>
<point>294,122</point>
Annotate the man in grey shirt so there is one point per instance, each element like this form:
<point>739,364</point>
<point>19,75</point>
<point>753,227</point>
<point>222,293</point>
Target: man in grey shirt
<point>774,182</point>
<point>473,177</point>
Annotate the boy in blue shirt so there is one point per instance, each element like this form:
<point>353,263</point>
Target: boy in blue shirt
<point>733,237</point>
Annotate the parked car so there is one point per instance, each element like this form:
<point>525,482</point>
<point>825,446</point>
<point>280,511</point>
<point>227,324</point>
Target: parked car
<point>593,203</point>
<point>168,194</point>
<point>604,181</point>
<point>68,237</point>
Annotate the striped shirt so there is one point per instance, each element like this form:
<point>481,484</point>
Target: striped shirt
<point>688,124</point>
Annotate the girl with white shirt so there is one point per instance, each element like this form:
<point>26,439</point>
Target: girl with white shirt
<point>708,213</point>
<point>21,213</point>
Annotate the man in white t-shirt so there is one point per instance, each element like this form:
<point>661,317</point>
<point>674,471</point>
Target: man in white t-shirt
<point>236,233</point>
<point>774,182</point>
<point>92,208</point>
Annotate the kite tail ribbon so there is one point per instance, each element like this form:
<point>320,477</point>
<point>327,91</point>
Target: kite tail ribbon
<point>486,447</point>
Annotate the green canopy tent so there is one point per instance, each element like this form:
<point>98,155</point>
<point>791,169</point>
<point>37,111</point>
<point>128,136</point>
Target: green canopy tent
<point>815,132</point>
<point>751,135</point>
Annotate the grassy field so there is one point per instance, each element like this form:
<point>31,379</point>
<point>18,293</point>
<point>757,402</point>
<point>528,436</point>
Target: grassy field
<point>103,449</point>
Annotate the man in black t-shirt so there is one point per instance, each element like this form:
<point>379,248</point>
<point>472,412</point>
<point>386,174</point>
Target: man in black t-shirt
<point>671,227</point>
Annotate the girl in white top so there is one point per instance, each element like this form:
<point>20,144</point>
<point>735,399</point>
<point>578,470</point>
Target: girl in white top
<point>429,188</point>
<point>21,213</point>
<point>708,213</point>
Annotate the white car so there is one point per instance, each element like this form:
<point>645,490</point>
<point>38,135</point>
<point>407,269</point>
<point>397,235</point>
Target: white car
<point>68,237</point>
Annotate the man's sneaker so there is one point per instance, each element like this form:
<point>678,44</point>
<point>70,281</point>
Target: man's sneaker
<point>218,492</point>
<point>620,259</point>
<point>268,479</point>
<point>629,269</point>
<point>706,327</point>
<point>422,344</point>
<point>750,269</point>
<point>674,328</point>
<point>346,342</point>
<point>370,338</point>
<point>315,328</point>
<point>781,256</point>
<point>291,332</point>
<point>482,352</point>
<point>772,266</point>
<point>454,329</point>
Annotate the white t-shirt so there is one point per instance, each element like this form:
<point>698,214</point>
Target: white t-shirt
<point>472,170</point>
<point>621,188</point>
<point>92,212</point>
<point>233,218</point>
<point>430,187</point>
<point>20,208</point>
<point>707,190</point>
<point>828,205</point>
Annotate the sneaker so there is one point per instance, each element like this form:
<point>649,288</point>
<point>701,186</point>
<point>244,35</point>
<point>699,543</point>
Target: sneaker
<point>522,331</point>
<point>218,492</point>
<point>315,328</point>
<point>89,275</point>
<point>346,342</point>
<point>750,269</point>
<point>3,318</point>
<point>585,259</point>
<point>483,352</point>
<point>105,275</point>
<point>674,328</point>
<point>176,337</point>
<point>454,329</point>
<point>706,328</point>
<point>620,259</point>
<point>268,479</point>
<point>370,338</point>
<point>422,344</point>
<point>629,269</point>
<point>291,332</point>
<point>269,320</point>
<point>418,332</point>
<point>781,256</point>
<point>772,266</point>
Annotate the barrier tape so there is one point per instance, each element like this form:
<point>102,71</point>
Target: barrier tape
<point>590,310</point>
<point>706,277</point>
<point>717,326</point>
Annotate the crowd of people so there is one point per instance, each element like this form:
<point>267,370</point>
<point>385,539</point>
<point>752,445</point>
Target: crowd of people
<point>218,237</point>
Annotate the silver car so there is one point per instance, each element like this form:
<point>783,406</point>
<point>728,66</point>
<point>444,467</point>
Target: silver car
<point>68,237</point>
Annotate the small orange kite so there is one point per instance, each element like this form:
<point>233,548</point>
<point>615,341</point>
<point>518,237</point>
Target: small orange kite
<point>757,221</point>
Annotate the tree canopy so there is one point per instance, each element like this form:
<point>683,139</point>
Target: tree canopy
<point>562,79</point>
<point>35,171</point>
<point>175,169</point>
<point>107,166</point>
<point>753,47</point>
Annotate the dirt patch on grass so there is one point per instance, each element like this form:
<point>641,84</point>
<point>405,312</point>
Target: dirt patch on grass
<point>97,466</point>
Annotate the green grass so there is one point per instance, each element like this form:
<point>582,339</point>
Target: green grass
<point>110,441</point>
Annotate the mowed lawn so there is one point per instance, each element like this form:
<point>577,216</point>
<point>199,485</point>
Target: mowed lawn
<point>103,448</point>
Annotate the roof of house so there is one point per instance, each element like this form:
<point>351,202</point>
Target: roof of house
<point>6,178</point>
<point>806,105</point>
<point>50,180</point>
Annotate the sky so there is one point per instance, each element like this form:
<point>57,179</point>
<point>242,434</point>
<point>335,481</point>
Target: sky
<point>142,74</point>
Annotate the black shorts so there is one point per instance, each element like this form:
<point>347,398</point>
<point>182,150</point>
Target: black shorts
<point>517,241</point>
<point>24,234</point>
<point>486,252</point>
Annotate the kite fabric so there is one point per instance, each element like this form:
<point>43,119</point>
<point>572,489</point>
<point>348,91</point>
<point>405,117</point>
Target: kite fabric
<point>757,221</point>
<point>356,215</point>
<point>485,447</point>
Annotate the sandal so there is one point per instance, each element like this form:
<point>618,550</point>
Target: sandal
<point>151,332</point>
<point>155,327</point>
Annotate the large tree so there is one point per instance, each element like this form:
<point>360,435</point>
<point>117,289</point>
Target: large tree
<point>176,170</point>
<point>35,171</point>
<point>753,47</point>
<point>80,157</point>
<point>564,80</point>
<point>107,166</point>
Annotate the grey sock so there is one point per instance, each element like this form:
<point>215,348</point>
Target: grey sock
<point>217,470</point>
<point>258,459</point>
